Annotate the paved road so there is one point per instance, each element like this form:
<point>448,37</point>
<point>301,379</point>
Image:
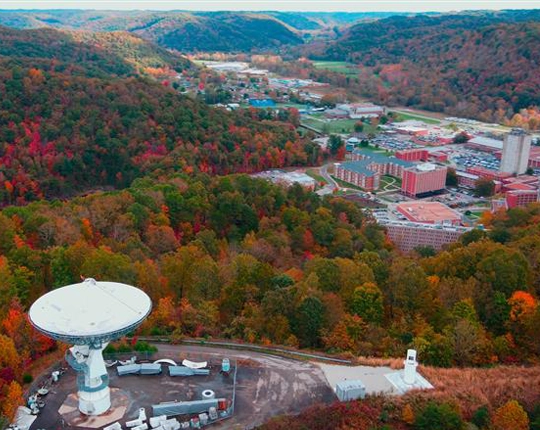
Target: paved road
<point>327,177</point>
<point>331,183</point>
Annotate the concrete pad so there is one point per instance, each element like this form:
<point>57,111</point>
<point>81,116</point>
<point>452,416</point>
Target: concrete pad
<point>71,415</point>
<point>396,379</point>
<point>372,377</point>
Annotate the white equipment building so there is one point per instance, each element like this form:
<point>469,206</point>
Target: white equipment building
<point>89,315</point>
<point>350,390</point>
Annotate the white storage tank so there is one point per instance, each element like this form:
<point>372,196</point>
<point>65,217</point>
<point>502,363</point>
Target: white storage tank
<point>350,390</point>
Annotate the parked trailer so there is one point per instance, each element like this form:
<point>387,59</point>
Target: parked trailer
<point>128,369</point>
<point>186,371</point>
<point>139,369</point>
<point>150,369</point>
<point>185,408</point>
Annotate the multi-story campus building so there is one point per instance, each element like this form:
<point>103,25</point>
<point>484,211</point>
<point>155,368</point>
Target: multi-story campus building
<point>518,198</point>
<point>409,235</point>
<point>413,154</point>
<point>429,213</point>
<point>366,167</point>
<point>466,180</point>
<point>423,179</point>
<point>516,152</point>
<point>492,175</point>
<point>357,173</point>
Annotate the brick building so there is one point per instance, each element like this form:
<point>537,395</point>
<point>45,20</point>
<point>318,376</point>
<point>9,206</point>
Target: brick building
<point>423,179</point>
<point>493,175</point>
<point>534,157</point>
<point>518,198</point>
<point>358,173</point>
<point>366,168</point>
<point>413,154</point>
<point>466,180</point>
<point>381,163</point>
<point>429,213</point>
<point>407,236</point>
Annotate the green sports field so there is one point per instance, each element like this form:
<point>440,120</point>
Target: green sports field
<point>337,66</point>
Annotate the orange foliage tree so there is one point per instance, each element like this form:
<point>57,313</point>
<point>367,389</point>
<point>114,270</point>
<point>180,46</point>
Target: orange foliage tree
<point>407,414</point>
<point>9,359</point>
<point>510,416</point>
<point>12,400</point>
<point>522,304</point>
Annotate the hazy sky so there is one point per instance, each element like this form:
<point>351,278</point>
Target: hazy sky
<point>298,5</point>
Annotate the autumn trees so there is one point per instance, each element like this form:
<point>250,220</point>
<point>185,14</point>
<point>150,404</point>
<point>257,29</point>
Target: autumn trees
<point>406,62</point>
<point>62,133</point>
<point>252,261</point>
<point>238,257</point>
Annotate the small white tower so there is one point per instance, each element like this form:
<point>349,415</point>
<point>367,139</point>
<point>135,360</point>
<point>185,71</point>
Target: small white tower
<point>409,374</point>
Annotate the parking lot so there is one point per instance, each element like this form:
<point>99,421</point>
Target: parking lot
<point>464,159</point>
<point>394,143</point>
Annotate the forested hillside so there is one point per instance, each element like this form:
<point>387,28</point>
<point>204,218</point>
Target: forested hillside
<point>239,258</point>
<point>67,127</point>
<point>483,66</point>
<point>87,54</point>
<point>183,31</point>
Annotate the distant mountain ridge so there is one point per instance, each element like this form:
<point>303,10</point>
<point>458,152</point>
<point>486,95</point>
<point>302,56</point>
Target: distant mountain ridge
<point>183,31</point>
<point>195,31</point>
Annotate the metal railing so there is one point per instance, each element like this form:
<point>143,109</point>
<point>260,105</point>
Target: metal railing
<point>271,350</point>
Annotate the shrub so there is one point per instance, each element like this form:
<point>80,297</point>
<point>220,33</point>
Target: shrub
<point>481,417</point>
<point>440,417</point>
<point>144,347</point>
<point>27,378</point>
<point>109,349</point>
<point>123,347</point>
<point>535,418</point>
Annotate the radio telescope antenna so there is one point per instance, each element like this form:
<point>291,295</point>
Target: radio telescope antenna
<point>88,316</point>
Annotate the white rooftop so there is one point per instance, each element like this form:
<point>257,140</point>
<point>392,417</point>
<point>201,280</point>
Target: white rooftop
<point>350,384</point>
<point>90,309</point>
<point>487,142</point>
<point>373,378</point>
<point>426,167</point>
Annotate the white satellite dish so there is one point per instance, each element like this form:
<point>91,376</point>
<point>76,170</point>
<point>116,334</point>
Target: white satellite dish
<point>88,315</point>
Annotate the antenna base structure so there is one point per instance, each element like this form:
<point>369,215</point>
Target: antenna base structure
<point>89,315</point>
<point>92,378</point>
